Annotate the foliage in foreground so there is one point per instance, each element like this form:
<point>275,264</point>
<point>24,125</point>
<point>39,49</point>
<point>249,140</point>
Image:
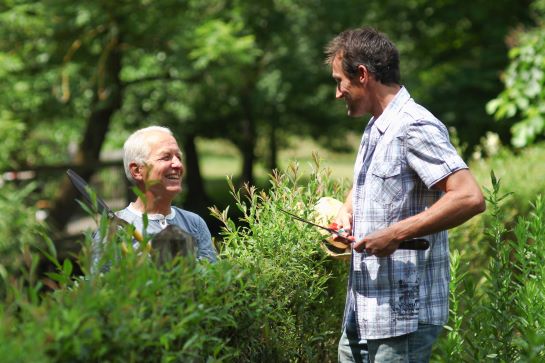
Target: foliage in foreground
<point>271,297</point>
<point>498,315</point>
<point>521,175</point>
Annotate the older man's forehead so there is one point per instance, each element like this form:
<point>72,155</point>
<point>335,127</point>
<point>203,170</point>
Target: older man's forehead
<point>166,146</point>
<point>160,141</point>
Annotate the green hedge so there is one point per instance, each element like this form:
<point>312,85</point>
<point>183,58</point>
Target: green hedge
<point>273,296</point>
<point>497,314</point>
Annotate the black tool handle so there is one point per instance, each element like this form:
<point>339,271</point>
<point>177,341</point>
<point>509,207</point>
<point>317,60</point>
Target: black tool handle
<point>414,244</point>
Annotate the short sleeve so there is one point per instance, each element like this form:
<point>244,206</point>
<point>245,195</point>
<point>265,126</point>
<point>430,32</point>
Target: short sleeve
<point>430,153</point>
<point>205,249</point>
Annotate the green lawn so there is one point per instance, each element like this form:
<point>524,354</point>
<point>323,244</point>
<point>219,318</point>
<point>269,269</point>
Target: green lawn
<point>521,173</point>
<point>219,158</point>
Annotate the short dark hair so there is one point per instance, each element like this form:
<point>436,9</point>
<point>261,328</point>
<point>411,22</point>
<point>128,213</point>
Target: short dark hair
<point>368,47</point>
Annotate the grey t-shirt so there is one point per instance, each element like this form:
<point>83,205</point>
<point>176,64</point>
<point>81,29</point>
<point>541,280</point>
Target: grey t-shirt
<point>188,221</point>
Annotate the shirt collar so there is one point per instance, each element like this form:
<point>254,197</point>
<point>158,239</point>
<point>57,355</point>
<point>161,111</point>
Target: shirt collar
<point>392,110</point>
<point>153,217</point>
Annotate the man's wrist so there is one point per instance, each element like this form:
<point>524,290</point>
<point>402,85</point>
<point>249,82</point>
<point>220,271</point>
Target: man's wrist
<point>399,232</point>
<point>347,209</point>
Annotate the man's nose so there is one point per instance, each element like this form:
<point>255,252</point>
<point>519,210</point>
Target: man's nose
<point>338,93</point>
<point>177,162</point>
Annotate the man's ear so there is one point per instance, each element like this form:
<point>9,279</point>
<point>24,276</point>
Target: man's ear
<point>363,73</point>
<point>137,171</point>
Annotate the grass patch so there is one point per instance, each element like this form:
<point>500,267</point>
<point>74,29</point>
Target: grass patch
<point>219,158</point>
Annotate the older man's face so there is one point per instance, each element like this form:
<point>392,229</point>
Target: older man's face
<point>164,165</point>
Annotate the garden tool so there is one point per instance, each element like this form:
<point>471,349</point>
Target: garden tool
<point>101,206</point>
<point>411,244</point>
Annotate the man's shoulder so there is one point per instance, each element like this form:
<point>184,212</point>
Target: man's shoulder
<point>414,112</point>
<point>126,214</point>
<point>190,216</point>
<point>417,117</point>
<point>191,221</point>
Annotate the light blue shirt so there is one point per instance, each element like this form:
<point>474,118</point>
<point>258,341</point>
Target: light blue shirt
<point>403,153</point>
<point>188,221</point>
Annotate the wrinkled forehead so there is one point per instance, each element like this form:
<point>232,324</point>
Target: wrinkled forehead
<point>159,141</point>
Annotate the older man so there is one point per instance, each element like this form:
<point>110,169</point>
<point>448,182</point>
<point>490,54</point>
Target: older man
<point>153,162</point>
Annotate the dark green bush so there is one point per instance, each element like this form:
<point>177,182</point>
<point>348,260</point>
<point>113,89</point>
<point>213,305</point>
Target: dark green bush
<point>498,314</point>
<point>139,313</point>
<point>273,296</point>
<point>303,287</point>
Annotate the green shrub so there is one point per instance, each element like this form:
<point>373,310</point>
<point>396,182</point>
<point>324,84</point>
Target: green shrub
<point>304,288</point>
<point>273,296</point>
<point>139,313</point>
<point>498,314</point>
<point>20,233</point>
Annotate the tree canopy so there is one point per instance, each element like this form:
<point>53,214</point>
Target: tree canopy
<point>522,102</point>
<point>81,75</point>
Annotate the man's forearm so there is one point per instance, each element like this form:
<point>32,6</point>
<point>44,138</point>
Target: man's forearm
<point>462,200</point>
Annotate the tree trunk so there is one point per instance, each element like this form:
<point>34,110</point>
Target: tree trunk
<point>273,147</point>
<point>196,199</point>
<point>248,137</point>
<point>248,159</point>
<point>106,101</point>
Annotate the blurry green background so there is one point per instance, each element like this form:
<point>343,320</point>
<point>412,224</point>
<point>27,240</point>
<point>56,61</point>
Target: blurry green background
<point>244,87</point>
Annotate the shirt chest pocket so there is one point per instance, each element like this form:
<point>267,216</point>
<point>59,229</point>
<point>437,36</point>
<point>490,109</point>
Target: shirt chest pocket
<point>386,183</point>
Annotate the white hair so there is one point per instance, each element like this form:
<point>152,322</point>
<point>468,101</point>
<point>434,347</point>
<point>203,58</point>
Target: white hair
<point>136,148</point>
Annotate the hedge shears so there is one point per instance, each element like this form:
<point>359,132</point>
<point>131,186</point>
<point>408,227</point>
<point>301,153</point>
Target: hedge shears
<point>101,206</point>
<point>333,228</point>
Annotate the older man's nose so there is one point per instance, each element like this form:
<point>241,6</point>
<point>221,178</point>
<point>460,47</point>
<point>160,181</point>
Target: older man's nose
<point>177,162</point>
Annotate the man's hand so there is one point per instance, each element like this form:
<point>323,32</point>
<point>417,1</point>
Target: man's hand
<point>343,223</point>
<point>379,243</point>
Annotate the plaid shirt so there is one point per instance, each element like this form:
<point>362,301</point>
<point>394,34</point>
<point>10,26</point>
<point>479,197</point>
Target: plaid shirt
<point>402,154</point>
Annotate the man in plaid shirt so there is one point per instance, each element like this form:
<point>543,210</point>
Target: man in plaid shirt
<point>409,182</point>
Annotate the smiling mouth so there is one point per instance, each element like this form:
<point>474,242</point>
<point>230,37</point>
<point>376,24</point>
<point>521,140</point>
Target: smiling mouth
<point>173,177</point>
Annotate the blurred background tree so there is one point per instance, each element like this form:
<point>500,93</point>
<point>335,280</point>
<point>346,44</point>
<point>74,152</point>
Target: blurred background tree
<point>522,102</point>
<point>78,77</point>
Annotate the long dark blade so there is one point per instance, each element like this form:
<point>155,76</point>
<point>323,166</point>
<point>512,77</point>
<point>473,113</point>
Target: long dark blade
<point>330,230</point>
<point>82,186</point>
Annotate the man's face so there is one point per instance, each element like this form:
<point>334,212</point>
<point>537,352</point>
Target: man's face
<point>352,91</point>
<point>164,168</point>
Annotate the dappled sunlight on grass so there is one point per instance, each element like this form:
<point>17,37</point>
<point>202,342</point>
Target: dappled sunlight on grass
<point>219,159</point>
<point>520,173</point>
